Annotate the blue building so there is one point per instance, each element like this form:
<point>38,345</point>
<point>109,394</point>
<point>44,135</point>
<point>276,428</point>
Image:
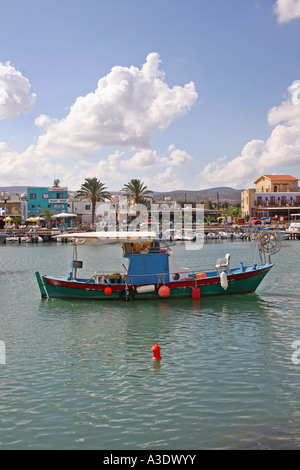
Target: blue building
<point>52,198</point>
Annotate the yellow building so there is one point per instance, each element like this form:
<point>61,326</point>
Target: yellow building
<point>276,184</point>
<point>274,196</point>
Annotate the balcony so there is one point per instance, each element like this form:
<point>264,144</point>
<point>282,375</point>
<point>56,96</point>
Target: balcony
<point>269,205</point>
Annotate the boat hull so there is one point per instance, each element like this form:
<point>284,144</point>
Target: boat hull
<point>241,281</point>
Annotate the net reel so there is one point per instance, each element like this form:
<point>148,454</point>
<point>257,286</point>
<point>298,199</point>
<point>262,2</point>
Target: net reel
<point>269,242</point>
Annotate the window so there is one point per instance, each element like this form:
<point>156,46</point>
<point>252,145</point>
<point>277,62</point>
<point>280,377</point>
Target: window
<point>59,195</point>
<point>87,207</point>
<point>32,196</point>
<point>45,195</point>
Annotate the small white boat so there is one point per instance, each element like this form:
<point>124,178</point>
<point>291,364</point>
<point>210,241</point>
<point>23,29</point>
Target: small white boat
<point>213,236</point>
<point>294,227</point>
<point>12,239</point>
<point>225,234</point>
<point>185,236</point>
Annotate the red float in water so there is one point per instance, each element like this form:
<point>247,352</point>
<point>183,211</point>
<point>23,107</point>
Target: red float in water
<point>156,352</point>
<point>107,290</point>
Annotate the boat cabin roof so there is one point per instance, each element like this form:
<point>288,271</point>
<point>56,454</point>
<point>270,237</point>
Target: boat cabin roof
<point>118,236</point>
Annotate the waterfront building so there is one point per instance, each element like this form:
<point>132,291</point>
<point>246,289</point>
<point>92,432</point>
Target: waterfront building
<point>274,196</point>
<point>51,198</point>
<point>10,205</point>
<point>83,208</point>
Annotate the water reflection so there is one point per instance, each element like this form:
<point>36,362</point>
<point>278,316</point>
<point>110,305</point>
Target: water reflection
<point>80,374</point>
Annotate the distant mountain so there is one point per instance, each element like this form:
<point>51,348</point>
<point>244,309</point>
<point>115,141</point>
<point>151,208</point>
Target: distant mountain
<point>14,189</point>
<point>183,195</point>
<point>221,193</point>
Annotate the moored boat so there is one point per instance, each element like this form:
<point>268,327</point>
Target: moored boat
<point>3,237</point>
<point>152,273</point>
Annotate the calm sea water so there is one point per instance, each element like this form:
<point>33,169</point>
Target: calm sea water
<point>80,374</point>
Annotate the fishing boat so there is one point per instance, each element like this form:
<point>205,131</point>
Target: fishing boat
<point>152,272</point>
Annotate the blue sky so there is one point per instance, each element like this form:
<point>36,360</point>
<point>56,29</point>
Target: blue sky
<point>183,94</point>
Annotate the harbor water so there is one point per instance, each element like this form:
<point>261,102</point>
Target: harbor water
<point>80,374</point>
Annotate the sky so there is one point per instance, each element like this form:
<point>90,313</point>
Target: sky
<point>182,94</point>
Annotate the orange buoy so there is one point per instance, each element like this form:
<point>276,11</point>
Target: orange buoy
<point>156,352</point>
<point>107,290</point>
<point>200,275</point>
<point>196,293</point>
<point>164,291</point>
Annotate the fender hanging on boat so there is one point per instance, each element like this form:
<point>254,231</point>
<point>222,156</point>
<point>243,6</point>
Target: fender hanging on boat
<point>224,280</point>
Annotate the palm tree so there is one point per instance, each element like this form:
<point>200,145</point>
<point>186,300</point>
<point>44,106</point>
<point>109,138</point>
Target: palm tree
<point>48,213</point>
<point>136,192</point>
<point>93,190</point>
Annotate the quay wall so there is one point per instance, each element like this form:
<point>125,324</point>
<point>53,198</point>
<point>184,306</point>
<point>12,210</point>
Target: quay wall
<point>48,235</point>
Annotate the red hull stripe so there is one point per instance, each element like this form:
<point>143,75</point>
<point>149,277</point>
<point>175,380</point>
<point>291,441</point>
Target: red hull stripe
<point>171,285</point>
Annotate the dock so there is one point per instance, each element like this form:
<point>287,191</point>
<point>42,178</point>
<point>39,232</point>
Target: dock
<point>49,235</point>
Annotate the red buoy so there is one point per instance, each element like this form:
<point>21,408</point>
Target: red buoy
<point>164,291</point>
<point>107,290</point>
<point>156,354</point>
<point>196,293</point>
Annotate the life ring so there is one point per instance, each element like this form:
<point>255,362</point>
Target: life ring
<point>127,294</point>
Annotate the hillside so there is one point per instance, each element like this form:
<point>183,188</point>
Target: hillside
<point>224,193</point>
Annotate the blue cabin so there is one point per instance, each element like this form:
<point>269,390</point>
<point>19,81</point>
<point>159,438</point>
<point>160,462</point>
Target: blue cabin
<point>146,266</point>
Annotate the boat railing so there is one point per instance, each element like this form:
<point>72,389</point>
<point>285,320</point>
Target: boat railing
<point>160,278</point>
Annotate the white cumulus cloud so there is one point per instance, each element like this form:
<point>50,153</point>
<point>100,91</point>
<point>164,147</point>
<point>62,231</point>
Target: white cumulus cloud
<point>281,149</point>
<point>178,157</point>
<point>287,10</point>
<point>15,95</point>
<point>127,107</point>
<point>144,158</point>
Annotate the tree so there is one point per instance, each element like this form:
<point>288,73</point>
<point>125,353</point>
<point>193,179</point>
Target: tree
<point>93,190</point>
<point>136,192</point>
<point>48,213</point>
<point>207,204</point>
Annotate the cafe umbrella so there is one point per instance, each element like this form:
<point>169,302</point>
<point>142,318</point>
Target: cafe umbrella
<point>64,215</point>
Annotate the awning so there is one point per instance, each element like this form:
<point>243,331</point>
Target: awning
<point>63,215</point>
